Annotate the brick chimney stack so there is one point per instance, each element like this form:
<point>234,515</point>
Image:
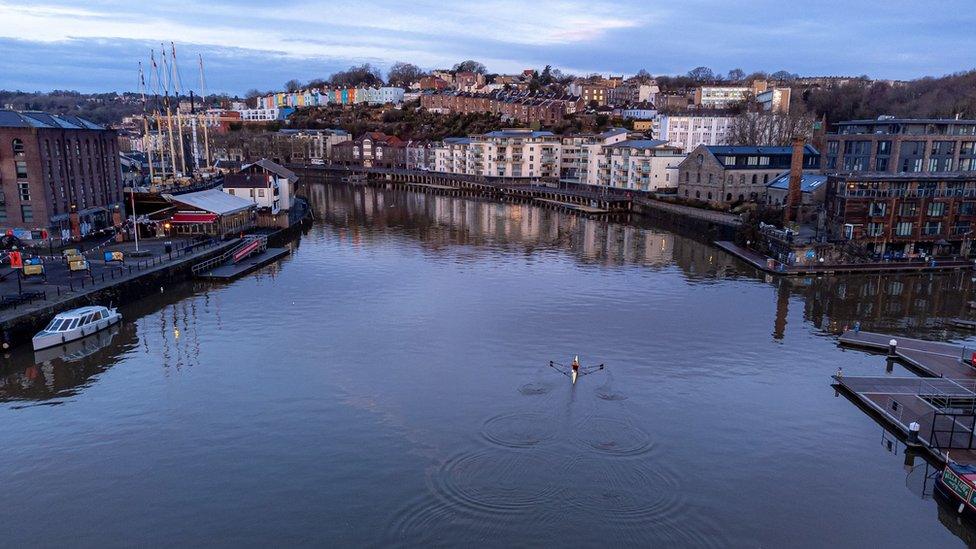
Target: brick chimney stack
<point>796,178</point>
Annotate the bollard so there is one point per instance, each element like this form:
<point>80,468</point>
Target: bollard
<point>913,428</point>
<point>889,365</point>
<point>893,348</point>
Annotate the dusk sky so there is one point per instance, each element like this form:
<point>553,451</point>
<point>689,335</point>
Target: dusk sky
<point>95,45</point>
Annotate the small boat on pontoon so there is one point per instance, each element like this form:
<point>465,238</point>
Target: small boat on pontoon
<point>75,324</point>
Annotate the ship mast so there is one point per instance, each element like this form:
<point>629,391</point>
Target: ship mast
<point>154,86</point>
<point>145,123</point>
<point>203,97</point>
<point>169,112</point>
<point>178,83</point>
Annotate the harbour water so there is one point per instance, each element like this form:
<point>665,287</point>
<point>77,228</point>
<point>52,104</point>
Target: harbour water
<point>388,384</point>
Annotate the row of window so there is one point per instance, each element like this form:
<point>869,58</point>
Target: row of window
<point>907,228</point>
<point>910,148</point>
<point>934,209</point>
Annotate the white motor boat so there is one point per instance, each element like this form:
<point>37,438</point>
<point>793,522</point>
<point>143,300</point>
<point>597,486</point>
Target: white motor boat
<point>75,324</point>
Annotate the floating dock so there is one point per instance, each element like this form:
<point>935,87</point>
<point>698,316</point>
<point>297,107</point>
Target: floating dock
<point>941,400</point>
<point>231,271</point>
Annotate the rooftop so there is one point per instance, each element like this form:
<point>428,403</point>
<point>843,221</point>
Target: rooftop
<point>211,200</point>
<point>247,181</point>
<point>877,121</point>
<point>639,144</point>
<point>808,183</point>
<point>274,168</point>
<point>732,150</point>
<point>38,119</point>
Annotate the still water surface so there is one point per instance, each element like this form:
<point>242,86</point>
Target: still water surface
<point>388,385</point>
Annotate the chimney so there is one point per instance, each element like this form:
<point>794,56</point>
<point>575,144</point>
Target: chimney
<point>796,177</point>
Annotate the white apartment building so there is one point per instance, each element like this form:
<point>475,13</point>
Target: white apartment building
<point>504,153</point>
<point>263,115</point>
<point>384,95</point>
<point>721,97</point>
<point>579,155</point>
<point>688,131</point>
<point>639,165</point>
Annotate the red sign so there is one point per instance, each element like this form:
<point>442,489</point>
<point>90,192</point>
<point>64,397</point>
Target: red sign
<point>16,261</point>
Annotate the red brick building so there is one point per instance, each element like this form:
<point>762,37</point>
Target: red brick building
<point>53,167</point>
<point>904,214</point>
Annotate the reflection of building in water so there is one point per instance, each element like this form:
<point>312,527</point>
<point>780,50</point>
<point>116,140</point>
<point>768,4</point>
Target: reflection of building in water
<point>916,304</point>
<point>442,221</point>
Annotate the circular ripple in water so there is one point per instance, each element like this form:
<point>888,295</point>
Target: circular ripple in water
<point>632,491</point>
<point>518,430</point>
<point>423,522</point>
<point>607,393</point>
<point>614,436</point>
<point>535,389</point>
<point>495,481</point>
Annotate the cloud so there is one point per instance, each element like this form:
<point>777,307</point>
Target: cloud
<point>307,39</point>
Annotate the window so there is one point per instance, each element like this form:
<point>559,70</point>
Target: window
<point>230,192</point>
<point>936,209</point>
<point>903,229</point>
<point>27,213</point>
<point>21,169</point>
<point>878,208</point>
<point>754,179</point>
<point>932,228</point>
<point>261,193</point>
<point>875,229</point>
<point>967,208</point>
<point>911,165</point>
<point>18,147</point>
<point>23,188</point>
<point>907,209</point>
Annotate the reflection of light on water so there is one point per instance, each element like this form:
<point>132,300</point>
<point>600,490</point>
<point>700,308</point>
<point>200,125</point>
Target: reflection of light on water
<point>176,332</point>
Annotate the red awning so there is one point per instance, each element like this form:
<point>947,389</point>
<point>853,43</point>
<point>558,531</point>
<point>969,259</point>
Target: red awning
<point>202,217</point>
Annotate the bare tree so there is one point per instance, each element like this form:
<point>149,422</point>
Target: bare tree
<point>403,74</point>
<point>736,75</point>
<point>470,66</point>
<point>293,85</point>
<point>769,129</point>
<point>362,75</point>
<point>701,74</point>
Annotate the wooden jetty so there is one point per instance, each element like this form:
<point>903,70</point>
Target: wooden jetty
<point>941,400</point>
<point>231,271</point>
